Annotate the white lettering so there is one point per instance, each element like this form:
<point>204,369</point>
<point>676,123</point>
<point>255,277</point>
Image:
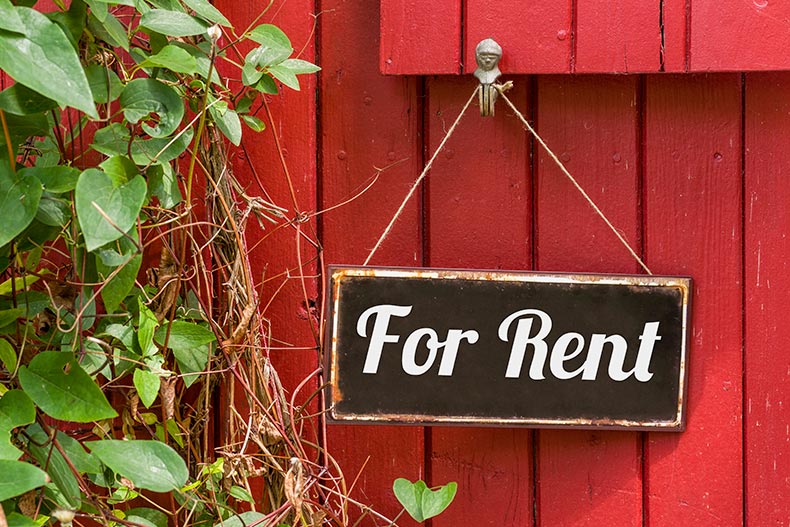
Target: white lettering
<point>379,336</point>
<point>522,339</point>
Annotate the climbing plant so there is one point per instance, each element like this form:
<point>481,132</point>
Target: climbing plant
<point>126,296</point>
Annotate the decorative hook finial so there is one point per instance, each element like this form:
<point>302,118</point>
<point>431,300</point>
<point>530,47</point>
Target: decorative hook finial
<point>487,55</point>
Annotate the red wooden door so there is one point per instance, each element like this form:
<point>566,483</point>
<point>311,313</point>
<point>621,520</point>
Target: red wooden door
<point>691,168</point>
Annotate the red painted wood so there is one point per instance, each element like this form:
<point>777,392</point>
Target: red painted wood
<point>693,226</point>
<point>746,35</point>
<point>368,121</point>
<point>766,249</point>
<point>588,478</point>
<point>620,36</point>
<point>676,46</point>
<point>535,36</point>
<point>419,37</point>
<point>294,123</point>
<point>479,216</point>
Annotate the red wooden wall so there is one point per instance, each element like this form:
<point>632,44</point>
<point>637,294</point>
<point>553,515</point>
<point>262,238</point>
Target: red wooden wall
<point>694,169</point>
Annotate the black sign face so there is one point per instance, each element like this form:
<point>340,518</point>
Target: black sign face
<point>503,348</point>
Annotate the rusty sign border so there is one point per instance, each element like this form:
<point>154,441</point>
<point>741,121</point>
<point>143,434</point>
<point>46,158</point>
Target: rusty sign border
<point>335,274</point>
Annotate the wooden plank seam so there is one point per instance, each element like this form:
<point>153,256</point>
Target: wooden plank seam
<point>502,88</point>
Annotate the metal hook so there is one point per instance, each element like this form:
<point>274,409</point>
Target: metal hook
<point>487,55</point>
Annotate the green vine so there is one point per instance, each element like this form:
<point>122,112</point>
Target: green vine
<point>125,295</point>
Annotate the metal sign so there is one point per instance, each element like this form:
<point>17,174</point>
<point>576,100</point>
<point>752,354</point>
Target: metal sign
<point>427,346</point>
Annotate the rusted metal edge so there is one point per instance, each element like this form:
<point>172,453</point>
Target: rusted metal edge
<point>335,274</point>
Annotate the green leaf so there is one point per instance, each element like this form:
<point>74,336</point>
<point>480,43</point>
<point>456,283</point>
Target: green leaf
<point>229,124</point>
<point>143,97</point>
<point>120,169</point>
<point>62,389</point>
<point>82,460</point>
<point>421,502</point>
<point>275,46</point>
<point>56,466</point>
<point>104,83</point>
<point>8,356</point>
<point>19,197</point>
<point>125,262</point>
<point>17,477</point>
<point>254,123</point>
<point>435,501</point>
<point>147,385</point>
<point>205,10</point>
<point>190,345</point>
<point>147,325</point>
<point>56,179</point>
<point>53,211</point>
<point>163,184</point>
<point>114,140</point>
<point>16,409</point>
<point>45,61</point>
<point>173,23</point>
<point>299,66</point>
<point>242,520</point>
<point>285,76</point>
<point>17,520</point>
<point>8,316</point>
<point>20,100</point>
<point>410,496</point>
<point>250,74</point>
<point>173,58</point>
<point>105,211</point>
<point>9,19</point>
<point>149,465</point>
<point>267,85</point>
<point>107,28</point>
<point>17,284</point>
<point>241,494</point>
<point>146,516</point>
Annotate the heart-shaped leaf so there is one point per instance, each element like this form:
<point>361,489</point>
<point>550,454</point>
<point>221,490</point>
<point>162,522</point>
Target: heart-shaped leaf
<point>44,60</point>
<point>435,501</point>
<point>19,197</point>
<point>105,211</point>
<point>421,502</point>
<point>149,98</point>
<point>410,496</point>
<point>63,390</point>
<point>173,58</point>
<point>147,385</point>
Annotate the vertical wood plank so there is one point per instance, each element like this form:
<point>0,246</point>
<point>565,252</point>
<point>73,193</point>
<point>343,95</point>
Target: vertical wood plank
<point>620,36</point>
<point>535,36</point>
<point>588,478</point>
<point>419,37</point>
<point>693,212</point>
<point>368,121</point>
<point>767,252</point>
<point>674,17</point>
<point>748,35</point>
<point>294,121</point>
<point>479,208</point>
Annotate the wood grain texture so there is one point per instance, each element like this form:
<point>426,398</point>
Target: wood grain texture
<point>693,214</point>
<point>479,216</point>
<point>739,36</point>
<point>767,252</point>
<point>368,121</point>
<point>535,36</point>
<point>420,37</point>
<point>674,17</point>
<point>588,478</point>
<point>276,254</point>
<point>617,36</point>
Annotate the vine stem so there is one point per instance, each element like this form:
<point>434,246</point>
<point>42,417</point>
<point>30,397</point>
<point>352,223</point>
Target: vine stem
<point>7,135</point>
